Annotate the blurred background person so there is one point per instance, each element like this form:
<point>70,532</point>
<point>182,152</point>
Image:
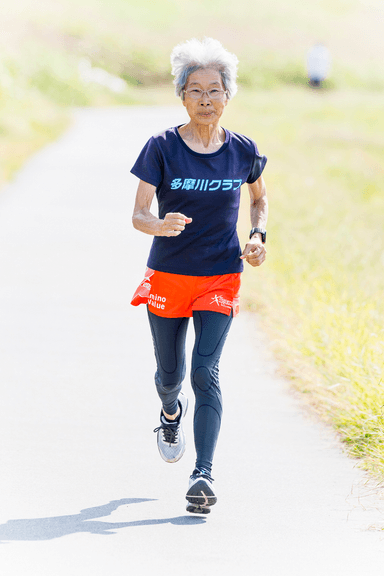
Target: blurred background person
<point>318,64</point>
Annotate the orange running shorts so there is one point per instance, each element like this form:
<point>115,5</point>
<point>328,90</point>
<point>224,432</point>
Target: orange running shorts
<point>177,296</point>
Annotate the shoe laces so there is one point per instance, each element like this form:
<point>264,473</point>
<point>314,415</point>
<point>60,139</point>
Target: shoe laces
<point>170,432</point>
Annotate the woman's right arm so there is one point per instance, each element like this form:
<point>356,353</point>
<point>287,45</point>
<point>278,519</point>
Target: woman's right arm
<point>142,219</point>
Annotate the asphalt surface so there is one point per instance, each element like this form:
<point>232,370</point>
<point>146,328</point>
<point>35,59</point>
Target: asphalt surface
<point>83,490</point>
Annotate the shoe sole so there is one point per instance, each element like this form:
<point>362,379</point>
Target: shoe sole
<point>200,498</point>
<point>195,509</point>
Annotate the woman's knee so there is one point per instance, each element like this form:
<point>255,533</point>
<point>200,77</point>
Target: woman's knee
<point>205,378</point>
<point>202,378</point>
<point>167,380</point>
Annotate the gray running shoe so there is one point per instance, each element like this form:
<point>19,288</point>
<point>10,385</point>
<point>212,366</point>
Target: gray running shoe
<point>200,493</point>
<point>170,436</point>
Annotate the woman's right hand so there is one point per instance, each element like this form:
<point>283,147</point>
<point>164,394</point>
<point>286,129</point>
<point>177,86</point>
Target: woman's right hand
<point>173,224</point>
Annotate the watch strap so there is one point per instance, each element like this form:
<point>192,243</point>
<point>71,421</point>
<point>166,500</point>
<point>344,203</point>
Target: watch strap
<point>260,231</point>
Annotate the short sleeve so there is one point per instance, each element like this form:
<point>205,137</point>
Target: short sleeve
<point>149,165</point>
<point>257,167</point>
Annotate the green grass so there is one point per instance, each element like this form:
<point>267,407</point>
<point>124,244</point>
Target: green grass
<point>27,122</point>
<point>36,93</point>
<point>320,293</point>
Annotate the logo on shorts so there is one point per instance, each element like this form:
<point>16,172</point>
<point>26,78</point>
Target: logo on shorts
<point>156,301</point>
<point>220,301</point>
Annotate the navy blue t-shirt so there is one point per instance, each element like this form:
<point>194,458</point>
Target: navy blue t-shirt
<point>204,187</point>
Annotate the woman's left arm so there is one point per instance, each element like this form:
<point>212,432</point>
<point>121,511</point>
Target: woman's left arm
<point>254,252</point>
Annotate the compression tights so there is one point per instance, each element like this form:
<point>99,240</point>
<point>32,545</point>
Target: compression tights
<point>211,329</point>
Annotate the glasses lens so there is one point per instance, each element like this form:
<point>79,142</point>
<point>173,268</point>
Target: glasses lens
<point>215,94</point>
<point>196,93</point>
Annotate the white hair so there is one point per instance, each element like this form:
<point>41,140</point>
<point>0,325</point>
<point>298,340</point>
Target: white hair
<point>194,55</point>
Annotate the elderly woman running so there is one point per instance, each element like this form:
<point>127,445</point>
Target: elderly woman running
<point>196,171</point>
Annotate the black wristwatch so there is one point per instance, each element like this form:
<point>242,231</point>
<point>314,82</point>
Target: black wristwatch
<point>260,231</point>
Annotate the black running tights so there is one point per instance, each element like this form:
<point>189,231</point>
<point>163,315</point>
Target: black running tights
<point>211,329</point>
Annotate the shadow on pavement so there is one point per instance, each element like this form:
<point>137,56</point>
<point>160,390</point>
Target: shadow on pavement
<point>58,526</point>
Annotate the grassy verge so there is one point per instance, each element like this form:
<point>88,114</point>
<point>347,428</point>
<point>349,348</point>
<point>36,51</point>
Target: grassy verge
<point>321,292</point>
<point>34,103</point>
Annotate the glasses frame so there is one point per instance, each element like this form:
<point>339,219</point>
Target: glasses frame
<point>222,92</point>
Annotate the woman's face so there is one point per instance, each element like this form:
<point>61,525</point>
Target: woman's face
<point>205,110</point>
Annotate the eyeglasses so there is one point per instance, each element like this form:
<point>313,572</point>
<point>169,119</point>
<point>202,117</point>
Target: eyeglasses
<point>213,94</point>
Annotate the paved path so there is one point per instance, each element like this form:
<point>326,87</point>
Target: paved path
<point>82,488</point>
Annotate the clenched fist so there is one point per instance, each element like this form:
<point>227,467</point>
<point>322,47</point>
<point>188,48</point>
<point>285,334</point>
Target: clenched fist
<point>173,224</point>
<point>254,252</point>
